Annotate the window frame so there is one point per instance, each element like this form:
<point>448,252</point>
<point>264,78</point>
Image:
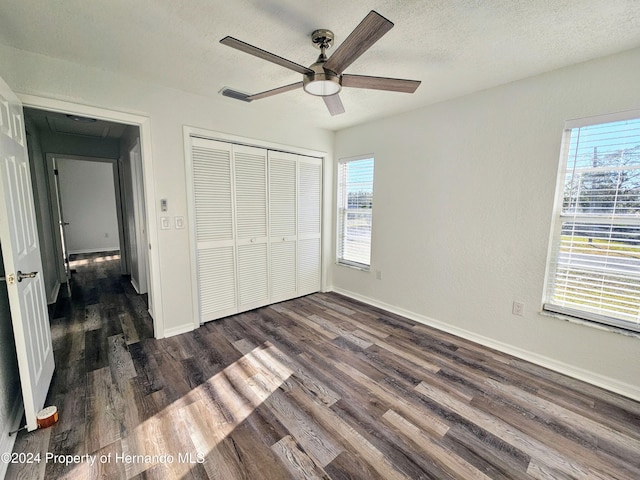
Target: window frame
<point>558,218</point>
<point>340,210</point>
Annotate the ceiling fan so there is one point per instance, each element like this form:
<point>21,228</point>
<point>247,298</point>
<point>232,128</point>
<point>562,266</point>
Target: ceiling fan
<point>324,78</point>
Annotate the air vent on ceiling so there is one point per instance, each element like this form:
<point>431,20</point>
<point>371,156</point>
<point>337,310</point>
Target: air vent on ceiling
<point>78,118</point>
<point>68,126</point>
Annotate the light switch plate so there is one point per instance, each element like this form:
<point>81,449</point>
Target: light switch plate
<point>179,222</point>
<point>164,223</point>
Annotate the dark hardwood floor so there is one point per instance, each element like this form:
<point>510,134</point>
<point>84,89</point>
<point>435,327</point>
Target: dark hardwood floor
<point>317,387</point>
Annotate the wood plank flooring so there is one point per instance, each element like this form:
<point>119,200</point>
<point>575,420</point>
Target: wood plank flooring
<point>321,387</point>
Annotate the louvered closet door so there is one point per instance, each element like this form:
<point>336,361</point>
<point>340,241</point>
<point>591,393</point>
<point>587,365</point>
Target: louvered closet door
<point>283,225</point>
<point>215,243</point>
<point>251,226</point>
<point>309,224</point>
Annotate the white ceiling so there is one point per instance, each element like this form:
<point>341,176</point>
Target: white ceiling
<point>453,46</point>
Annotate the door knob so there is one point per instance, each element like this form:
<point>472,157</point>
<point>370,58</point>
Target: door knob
<point>20,276</point>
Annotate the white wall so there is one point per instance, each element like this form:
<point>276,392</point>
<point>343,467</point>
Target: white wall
<point>168,110</point>
<point>88,200</point>
<point>464,192</point>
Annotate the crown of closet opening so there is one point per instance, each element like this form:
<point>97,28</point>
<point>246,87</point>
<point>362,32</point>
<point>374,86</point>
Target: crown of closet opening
<point>257,226</point>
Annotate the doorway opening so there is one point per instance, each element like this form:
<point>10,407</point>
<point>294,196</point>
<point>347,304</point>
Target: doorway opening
<point>88,200</point>
<point>89,196</point>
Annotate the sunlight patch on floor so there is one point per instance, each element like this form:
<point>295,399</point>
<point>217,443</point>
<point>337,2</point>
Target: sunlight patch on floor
<point>87,261</point>
<point>207,414</point>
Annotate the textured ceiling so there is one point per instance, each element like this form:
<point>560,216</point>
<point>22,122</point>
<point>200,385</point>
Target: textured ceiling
<point>453,46</point>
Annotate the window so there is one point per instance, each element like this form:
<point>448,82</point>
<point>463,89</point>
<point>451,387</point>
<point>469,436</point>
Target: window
<point>594,263</point>
<point>355,208</point>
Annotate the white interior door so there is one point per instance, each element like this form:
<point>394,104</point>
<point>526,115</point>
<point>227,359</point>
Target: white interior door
<point>139,218</point>
<point>21,255</point>
<point>214,228</point>
<point>309,225</point>
<point>252,226</point>
<point>257,226</point>
<point>283,225</point>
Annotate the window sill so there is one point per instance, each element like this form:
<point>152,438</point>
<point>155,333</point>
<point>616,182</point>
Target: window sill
<point>589,323</point>
<point>354,267</point>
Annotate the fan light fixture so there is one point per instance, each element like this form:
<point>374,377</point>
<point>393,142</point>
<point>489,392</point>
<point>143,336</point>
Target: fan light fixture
<point>321,84</point>
<point>319,81</point>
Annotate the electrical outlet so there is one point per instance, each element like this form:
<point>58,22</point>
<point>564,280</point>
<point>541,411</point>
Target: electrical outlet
<point>378,275</point>
<point>518,309</point>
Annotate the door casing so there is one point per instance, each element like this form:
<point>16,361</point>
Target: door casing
<point>144,125</point>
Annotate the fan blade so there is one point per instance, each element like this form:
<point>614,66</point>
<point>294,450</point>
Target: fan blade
<point>334,104</point>
<point>380,83</point>
<point>263,54</point>
<point>231,93</point>
<point>368,32</point>
<point>274,91</point>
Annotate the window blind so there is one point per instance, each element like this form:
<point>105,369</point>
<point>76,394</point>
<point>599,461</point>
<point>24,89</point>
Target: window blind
<point>594,266</point>
<point>355,208</point>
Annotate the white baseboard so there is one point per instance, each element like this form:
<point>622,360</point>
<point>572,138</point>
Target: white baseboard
<point>7,441</point>
<point>622,388</point>
<point>170,332</point>
<point>134,284</point>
